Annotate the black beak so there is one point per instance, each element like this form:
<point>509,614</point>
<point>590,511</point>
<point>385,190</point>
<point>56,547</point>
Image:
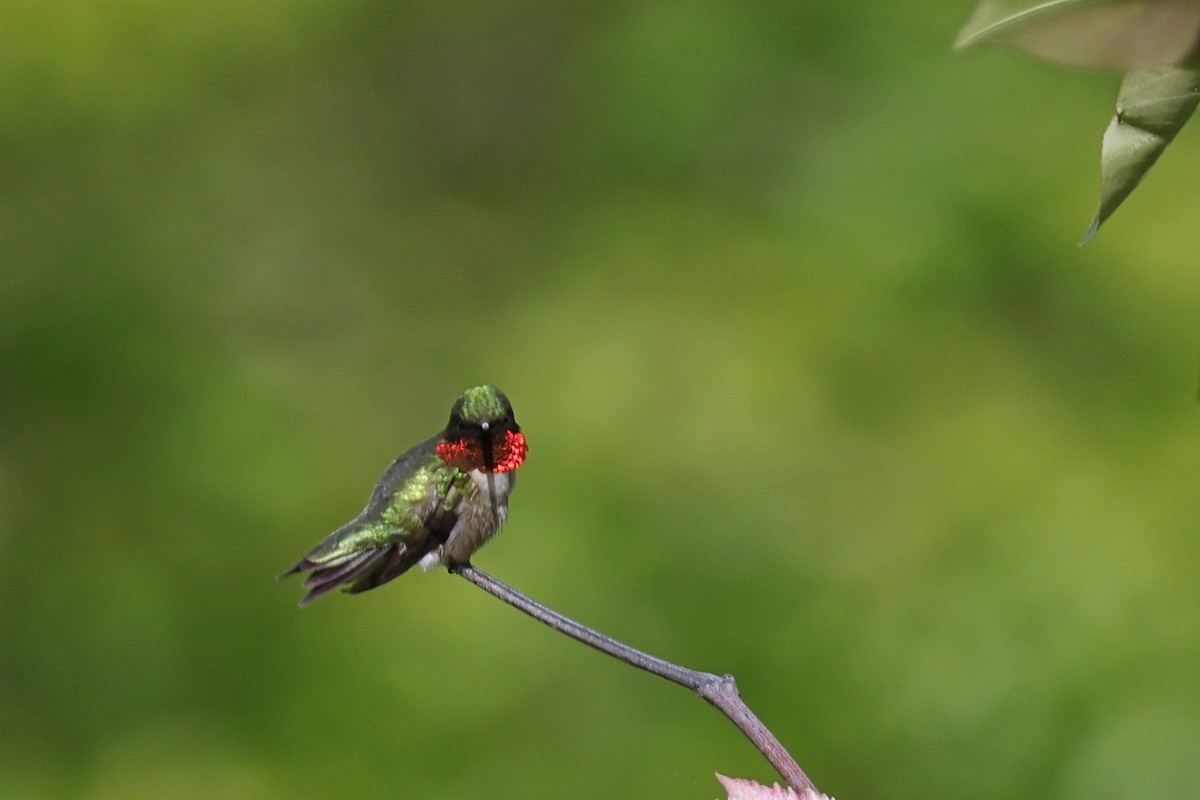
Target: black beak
<point>485,441</point>
<point>489,463</point>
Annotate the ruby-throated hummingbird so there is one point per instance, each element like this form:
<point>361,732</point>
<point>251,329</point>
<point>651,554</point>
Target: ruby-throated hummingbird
<point>436,504</point>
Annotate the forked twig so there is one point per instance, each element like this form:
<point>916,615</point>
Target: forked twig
<point>720,690</point>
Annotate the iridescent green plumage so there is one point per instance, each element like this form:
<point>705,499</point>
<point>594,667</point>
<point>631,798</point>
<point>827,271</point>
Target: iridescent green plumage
<point>424,509</point>
<point>479,403</point>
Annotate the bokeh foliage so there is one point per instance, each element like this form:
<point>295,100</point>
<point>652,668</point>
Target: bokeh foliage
<point>818,388</point>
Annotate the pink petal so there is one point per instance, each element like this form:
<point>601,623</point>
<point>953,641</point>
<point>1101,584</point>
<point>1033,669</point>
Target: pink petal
<point>740,789</point>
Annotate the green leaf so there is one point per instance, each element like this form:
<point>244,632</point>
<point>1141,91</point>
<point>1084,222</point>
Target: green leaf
<point>1115,34</point>
<point>1151,108</point>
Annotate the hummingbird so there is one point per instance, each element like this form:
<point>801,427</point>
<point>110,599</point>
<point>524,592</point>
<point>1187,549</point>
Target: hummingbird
<point>437,503</point>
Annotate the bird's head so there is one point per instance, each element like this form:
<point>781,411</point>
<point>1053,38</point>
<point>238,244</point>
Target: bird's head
<point>482,433</point>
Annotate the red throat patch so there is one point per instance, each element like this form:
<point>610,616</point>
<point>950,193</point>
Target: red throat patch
<point>508,453</point>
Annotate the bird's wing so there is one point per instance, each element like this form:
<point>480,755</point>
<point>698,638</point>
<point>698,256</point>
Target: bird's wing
<point>411,511</point>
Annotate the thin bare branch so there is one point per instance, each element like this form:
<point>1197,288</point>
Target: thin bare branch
<point>720,690</point>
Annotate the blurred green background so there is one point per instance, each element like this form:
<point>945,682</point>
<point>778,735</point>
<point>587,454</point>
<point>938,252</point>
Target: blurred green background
<point>819,389</point>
